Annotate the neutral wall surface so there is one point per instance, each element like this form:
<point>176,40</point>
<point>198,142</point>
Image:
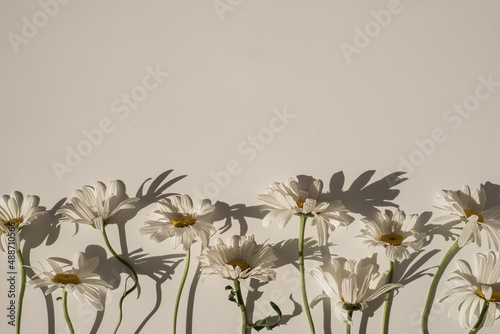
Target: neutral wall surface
<point>235,95</point>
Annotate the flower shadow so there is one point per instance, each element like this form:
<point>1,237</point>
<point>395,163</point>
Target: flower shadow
<point>363,197</point>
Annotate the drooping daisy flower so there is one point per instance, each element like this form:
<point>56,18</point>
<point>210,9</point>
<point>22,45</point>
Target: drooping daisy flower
<point>95,205</point>
<point>17,212</point>
<point>396,234</point>
<point>239,259</point>
<point>80,280</point>
<point>301,198</point>
<point>179,219</point>
<point>469,208</point>
<point>350,285</point>
<point>474,290</point>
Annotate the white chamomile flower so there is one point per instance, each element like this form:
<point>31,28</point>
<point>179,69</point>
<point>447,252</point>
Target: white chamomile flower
<point>469,208</point>
<point>239,259</point>
<point>395,234</point>
<point>474,290</point>
<point>350,285</point>
<point>301,198</point>
<point>79,280</point>
<point>15,213</point>
<point>179,219</point>
<point>95,205</point>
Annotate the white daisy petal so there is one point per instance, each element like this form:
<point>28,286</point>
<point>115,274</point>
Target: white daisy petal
<point>462,206</point>
<point>96,205</point>
<point>393,234</point>
<point>473,290</point>
<point>79,281</point>
<point>240,258</point>
<point>179,219</point>
<point>301,198</point>
<point>350,284</point>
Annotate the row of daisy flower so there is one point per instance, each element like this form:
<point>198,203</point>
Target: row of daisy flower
<point>350,284</point>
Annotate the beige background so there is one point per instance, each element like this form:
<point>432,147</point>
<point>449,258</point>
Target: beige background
<point>128,90</point>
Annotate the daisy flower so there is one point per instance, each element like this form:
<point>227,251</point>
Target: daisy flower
<point>179,219</point>
<point>395,234</point>
<point>477,291</point>
<point>95,205</point>
<point>239,259</point>
<point>469,208</point>
<point>80,280</point>
<point>17,212</point>
<point>351,285</point>
<point>302,199</point>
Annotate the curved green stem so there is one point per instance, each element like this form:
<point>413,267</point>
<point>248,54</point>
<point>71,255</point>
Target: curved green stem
<point>302,272</point>
<point>388,300</point>
<point>432,289</point>
<point>480,321</point>
<point>21,291</point>
<point>65,310</point>
<point>134,273</point>
<point>347,326</point>
<point>179,293</point>
<point>241,304</point>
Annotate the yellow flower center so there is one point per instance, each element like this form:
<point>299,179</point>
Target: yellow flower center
<point>300,204</point>
<point>392,239</point>
<point>469,212</point>
<point>243,266</point>
<point>65,278</point>
<point>183,221</point>
<point>495,296</point>
<point>13,222</point>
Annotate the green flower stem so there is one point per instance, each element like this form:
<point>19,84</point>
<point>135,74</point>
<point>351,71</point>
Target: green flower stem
<point>481,319</point>
<point>388,300</point>
<point>432,289</point>
<point>347,326</point>
<point>65,309</point>
<point>241,304</point>
<point>302,272</point>
<point>126,264</point>
<point>179,293</point>
<point>21,291</point>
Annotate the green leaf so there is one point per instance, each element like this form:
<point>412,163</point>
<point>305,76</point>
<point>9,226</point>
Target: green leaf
<point>231,294</point>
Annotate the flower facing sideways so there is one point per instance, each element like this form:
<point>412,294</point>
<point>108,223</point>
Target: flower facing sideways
<point>395,234</point>
<point>474,290</point>
<point>17,212</point>
<point>469,208</point>
<point>80,280</point>
<point>350,285</point>
<point>179,219</point>
<point>301,198</point>
<point>95,205</point>
<point>239,259</point>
